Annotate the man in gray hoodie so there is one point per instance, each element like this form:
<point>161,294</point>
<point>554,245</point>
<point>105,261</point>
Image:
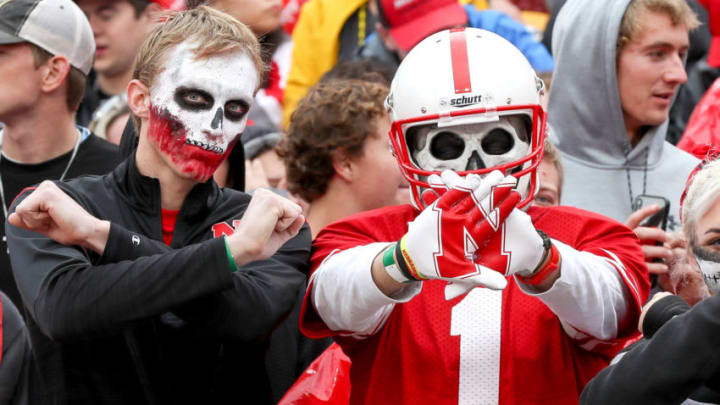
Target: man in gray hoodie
<point>619,65</point>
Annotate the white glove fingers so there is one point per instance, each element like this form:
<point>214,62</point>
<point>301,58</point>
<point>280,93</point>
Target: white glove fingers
<point>490,279</point>
<point>436,190</point>
<point>452,179</point>
<point>436,181</point>
<point>483,189</point>
<point>510,179</point>
<point>456,289</point>
<point>487,278</point>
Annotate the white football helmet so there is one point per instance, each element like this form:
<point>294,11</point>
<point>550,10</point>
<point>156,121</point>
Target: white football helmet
<point>466,99</point>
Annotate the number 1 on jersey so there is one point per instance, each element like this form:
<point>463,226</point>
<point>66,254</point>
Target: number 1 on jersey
<point>477,320</point>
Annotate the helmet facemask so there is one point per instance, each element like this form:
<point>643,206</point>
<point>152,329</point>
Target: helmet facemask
<point>472,147</point>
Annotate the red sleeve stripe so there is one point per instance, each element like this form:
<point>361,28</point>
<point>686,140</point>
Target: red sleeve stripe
<point>459,59</point>
<point>617,263</point>
<point>629,280</point>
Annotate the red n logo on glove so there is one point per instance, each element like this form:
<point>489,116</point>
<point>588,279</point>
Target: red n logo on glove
<point>472,232</point>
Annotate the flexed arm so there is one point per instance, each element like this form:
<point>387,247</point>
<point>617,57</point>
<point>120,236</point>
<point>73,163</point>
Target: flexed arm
<point>269,222</point>
<point>71,297</point>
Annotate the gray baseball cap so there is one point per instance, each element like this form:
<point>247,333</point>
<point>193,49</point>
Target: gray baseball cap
<point>57,26</point>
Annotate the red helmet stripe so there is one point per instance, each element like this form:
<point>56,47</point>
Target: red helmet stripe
<point>459,59</point>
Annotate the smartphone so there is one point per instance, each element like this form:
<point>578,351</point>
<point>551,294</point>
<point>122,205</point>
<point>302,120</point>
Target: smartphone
<point>659,219</point>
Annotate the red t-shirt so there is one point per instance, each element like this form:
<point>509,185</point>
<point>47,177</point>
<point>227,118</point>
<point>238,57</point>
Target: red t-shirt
<point>427,343</point>
<point>168,224</point>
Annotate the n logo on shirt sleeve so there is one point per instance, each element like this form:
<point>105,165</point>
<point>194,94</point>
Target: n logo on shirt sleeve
<point>224,228</point>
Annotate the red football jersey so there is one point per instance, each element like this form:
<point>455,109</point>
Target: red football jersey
<point>433,351</point>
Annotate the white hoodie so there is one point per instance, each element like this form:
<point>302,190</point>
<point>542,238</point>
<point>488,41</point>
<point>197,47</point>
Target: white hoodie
<point>587,122</point>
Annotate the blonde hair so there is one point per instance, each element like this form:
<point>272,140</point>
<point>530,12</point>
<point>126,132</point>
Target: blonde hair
<point>678,11</point>
<point>703,191</point>
<point>212,31</point>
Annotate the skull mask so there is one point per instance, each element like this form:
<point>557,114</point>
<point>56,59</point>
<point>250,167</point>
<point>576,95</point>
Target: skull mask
<point>709,262</point>
<point>471,146</point>
<point>199,107</point>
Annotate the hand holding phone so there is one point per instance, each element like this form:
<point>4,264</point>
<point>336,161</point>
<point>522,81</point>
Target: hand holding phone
<point>658,219</point>
<point>649,226</point>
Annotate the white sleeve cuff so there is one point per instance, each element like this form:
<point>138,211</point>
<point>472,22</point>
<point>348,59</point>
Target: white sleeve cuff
<point>346,296</point>
<point>590,295</point>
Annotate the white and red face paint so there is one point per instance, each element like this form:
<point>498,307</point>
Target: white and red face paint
<point>199,108</point>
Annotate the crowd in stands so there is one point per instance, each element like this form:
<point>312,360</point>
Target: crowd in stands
<point>307,202</point>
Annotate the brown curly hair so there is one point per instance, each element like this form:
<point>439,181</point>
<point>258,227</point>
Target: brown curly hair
<point>334,117</point>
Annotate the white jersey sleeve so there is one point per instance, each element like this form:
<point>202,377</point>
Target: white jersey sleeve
<point>345,295</point>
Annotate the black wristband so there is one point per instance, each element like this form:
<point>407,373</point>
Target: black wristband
<point>547,245</point>
<point>545,239</point>
<point>401,263</point>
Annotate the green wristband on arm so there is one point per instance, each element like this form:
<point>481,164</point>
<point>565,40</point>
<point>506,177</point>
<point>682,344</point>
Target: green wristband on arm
<point>231,260</point>
<point>393,268</point>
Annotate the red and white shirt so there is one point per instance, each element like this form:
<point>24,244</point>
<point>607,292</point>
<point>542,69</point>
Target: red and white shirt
<point>486,347</point>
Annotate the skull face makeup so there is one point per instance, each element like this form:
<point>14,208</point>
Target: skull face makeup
<point>199,108</point>
<point>472,146</point>
<point>709,263</point>
<point>469,147</point>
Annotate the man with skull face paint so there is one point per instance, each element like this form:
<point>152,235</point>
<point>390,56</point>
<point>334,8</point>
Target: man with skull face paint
<point>469,142</point>
<point>194,114</point>
<point>115,314</point>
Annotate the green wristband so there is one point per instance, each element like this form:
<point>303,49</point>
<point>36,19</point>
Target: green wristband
<point>391,267</point>
<point>388,257</point>
<point>231,260</point>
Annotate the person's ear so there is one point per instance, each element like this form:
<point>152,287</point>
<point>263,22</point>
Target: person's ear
<point>138,96</point>
<point>54,73</point>
<point>343,166</point>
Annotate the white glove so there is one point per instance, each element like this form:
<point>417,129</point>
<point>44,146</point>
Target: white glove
<point>516,249</point>
<point>443,241</point>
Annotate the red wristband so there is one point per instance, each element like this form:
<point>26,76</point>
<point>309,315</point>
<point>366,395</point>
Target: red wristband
<point>543,273</point>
